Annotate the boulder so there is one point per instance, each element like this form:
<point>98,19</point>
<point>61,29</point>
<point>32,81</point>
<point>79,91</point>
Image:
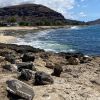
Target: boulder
<point>18,88</point>
<point>57,71</point>
<point>26,65</point>
<point>73,61</point>
<point>42,78</point>
<point>26,75</point>
<point>10,67</point>
<point>28,57</point>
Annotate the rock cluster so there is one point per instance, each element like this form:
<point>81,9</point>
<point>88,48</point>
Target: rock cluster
<point>29,63</point>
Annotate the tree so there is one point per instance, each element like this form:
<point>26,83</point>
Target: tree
<point>11,20</point>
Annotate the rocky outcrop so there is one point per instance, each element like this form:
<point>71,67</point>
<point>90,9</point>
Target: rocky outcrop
<point>51,75</point>
<point>20,48</point>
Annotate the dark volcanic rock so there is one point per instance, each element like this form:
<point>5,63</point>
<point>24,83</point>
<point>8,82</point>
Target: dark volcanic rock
<point>42,78</point>
<point>26,65</point>
<point>20,89</point>
<point>10,67</point>
<point>28,57</point>
<point>57,71</point>
<point>26,75</point>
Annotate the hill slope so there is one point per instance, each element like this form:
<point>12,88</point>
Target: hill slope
<point>94,22</point>
<point>33,14</point>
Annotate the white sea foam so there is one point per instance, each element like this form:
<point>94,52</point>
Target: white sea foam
<point>75,27</point>
<point>33,39</point>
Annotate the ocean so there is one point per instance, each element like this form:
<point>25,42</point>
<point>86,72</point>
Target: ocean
<point>75,39</point>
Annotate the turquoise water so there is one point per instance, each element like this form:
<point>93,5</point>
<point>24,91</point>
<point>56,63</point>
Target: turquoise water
<point>75,39</point>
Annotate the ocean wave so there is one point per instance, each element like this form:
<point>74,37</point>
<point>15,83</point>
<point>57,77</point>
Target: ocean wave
<point>38,34</point>
<point>46,45</point>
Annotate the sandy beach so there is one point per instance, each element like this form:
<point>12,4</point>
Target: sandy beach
<point>7,39</point>
<point>17,28</point>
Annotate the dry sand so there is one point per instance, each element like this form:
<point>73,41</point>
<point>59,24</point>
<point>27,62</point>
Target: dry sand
<point>7,39</point>
<point>17,28</point>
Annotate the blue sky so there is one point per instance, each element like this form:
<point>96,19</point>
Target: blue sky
<point>84,10</point>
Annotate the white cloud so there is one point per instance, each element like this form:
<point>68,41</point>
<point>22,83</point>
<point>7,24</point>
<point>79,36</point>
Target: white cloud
<point>62,6</point>
<point>82,0</point>
<point>82,14</point>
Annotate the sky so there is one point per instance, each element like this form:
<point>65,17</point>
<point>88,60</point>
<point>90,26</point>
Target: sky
<point>83,10</point>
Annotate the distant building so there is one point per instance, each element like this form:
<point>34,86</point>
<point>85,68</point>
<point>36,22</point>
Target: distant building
<point>8,24</point>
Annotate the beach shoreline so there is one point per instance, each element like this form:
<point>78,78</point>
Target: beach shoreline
<point>30,27</point>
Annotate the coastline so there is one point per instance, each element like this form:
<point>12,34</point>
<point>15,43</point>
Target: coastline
<point>31,28</point>
<point>63,73</point>
<point>67,73</point>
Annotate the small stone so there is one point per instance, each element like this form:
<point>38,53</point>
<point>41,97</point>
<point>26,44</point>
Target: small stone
<point>73,61</point>
<point>57,71</point>
<point>85,59</point>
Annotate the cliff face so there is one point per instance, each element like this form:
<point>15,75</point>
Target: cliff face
<point>31,13</point>
<point>94,22</point>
